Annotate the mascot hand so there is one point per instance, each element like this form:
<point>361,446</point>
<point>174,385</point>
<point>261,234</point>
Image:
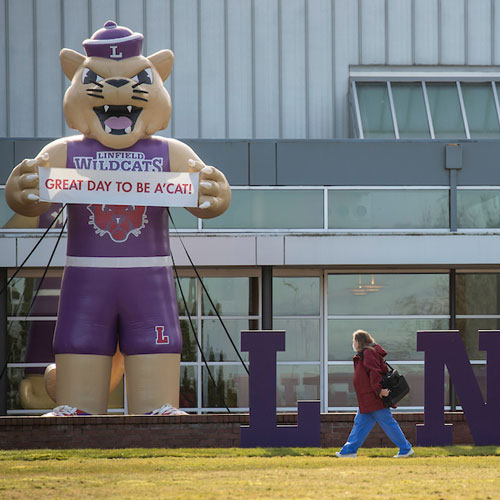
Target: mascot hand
<point>33,394</point>
<point>22,188</point>
<point>214,191</point>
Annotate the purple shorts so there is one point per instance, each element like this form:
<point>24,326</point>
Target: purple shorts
<point>135,308</point>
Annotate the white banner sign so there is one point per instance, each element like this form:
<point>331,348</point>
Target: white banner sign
<point>156,189</point>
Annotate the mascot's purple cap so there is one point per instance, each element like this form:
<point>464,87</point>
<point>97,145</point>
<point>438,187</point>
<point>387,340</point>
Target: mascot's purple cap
<point>113,42</point>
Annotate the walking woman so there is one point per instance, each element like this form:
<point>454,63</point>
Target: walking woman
<point>369,367</point>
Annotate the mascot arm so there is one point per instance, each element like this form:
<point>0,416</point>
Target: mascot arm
<point>214,190</point>
<point>22,188</point>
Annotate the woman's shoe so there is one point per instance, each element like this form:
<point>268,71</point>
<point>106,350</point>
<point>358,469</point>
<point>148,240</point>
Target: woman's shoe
<point>404,455</point>
<point>345,455</point>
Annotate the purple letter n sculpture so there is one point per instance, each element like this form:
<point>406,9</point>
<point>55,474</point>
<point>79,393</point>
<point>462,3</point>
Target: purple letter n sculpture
<point>446,348</point>
<point>263,431</point>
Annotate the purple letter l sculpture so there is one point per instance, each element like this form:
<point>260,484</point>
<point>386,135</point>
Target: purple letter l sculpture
<point>446,348</point>
<point>263,431</point>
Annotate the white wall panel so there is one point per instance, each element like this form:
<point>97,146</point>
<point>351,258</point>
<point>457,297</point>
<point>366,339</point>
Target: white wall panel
<point>293,69</point>
<point>185,116</point>
<point>239,69</point>
<point>130,13</point>
<point>390,250</point>
<point>373,31</point>
<point>75,29</point>
<point>41,257</point>
<point>243,68</point>
<point>157,26</point>
<point>76,24</point>
<point>48,69</point>
<point>4,102</point>
<point>426,28</point>
<point>495,32</point>
<point>219,251</point>
<point>102,11</point>
<point>213,70</point>
<point>452,39</point>
<point>319,72</point>
<point>399,32</point>
<point>346,52</point>
<point>478,32</point>
<point>266,69</point>
<point>158,36</point>
<point>8,251</point>
<point>21,70</point>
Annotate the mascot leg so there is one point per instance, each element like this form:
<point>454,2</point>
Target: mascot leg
<point>153,383</point>
<point>50,376</point>
<point>83,382</point>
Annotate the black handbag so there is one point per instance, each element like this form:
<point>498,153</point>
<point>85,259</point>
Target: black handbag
<point>397,384</point>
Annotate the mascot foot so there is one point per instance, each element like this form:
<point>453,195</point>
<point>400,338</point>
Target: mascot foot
<point>65,411</point>
<point>168,411</point>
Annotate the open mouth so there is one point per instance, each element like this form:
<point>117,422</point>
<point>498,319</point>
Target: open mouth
<point>117,120</point>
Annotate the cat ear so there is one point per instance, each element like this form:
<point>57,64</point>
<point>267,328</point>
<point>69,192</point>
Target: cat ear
<point>70,62</point>
<point>163,62</point>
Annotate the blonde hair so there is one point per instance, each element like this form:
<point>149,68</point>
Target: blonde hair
<point>363,338</point>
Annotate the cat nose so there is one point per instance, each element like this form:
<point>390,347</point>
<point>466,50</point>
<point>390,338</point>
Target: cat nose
<point>118,83</point>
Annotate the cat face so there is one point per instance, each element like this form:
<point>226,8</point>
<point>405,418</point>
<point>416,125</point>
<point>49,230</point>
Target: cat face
<point>117,102</point>
<point>117,221</point>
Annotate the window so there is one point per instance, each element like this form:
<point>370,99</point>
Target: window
<point>481,110</point>
<point>409,106</point>
<point>5,212</point>
<point>375,209</point>
<point>428,102</point>
<point>236,298</point>
<point>30,329</point>
<point>446,113</point>
<point>375,110</point>
<point>271,209</point>
<point>392,307</point>
<point>318,309</point>
<point>297,309</point>
<point>478,308</point>
<point>478,208</point>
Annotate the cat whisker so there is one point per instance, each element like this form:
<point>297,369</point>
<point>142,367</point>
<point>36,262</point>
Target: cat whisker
<point>140,91</point>
<point>139,98</point>
<point>95,95</point>
<point>94,90</point>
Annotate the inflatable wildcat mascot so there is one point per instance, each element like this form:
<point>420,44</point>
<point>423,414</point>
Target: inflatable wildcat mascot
<point>117,288</point>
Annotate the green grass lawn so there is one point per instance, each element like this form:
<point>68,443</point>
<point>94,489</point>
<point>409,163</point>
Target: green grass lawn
<point>293,473</point>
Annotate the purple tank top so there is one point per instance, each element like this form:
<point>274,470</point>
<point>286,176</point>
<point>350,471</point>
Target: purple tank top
<point>118,230</point>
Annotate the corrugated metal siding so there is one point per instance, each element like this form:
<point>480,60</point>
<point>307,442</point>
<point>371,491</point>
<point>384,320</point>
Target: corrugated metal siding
<point>244,68</point>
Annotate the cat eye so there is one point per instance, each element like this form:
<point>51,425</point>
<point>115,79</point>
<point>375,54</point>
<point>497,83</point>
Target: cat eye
<point>89,76</point>
<point>144,76</point>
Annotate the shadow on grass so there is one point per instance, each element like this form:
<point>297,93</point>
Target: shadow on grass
<point>135,453</point>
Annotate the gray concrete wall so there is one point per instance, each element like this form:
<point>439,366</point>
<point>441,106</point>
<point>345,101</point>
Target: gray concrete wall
<point>322,162</point>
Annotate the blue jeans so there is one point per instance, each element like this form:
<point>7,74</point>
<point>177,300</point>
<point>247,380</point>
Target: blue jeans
<point>363,424</point>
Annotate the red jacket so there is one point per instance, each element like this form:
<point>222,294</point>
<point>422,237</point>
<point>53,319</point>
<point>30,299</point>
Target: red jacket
<point>368,373</point>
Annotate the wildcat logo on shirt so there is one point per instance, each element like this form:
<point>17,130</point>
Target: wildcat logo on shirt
<point>117,221</point>
<point>133,161</point>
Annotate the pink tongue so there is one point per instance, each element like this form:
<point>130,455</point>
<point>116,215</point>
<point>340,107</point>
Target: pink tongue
<point>118,123</point>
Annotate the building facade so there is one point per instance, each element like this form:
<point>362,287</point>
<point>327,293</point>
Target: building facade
<point>361,141</point>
